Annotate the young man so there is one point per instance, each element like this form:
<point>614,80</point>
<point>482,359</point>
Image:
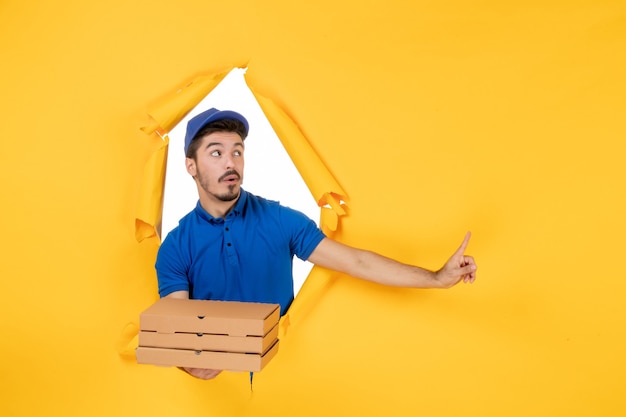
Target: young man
<point>236,246</point>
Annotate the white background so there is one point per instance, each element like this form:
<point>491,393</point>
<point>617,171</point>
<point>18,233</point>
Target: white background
<point>269,172</point>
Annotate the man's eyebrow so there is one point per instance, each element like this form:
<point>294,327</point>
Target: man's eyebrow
<point>221,144</point>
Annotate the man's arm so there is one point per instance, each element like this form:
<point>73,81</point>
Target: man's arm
<point>200,373</point>
<point>377,268</point>
<point>178,294</point>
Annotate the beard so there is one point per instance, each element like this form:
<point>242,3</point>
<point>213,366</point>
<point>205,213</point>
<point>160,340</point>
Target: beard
<point>228,196</point>
<point>233,189</point>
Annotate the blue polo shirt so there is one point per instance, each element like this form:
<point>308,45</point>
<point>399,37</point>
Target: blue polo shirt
<point>246,256</point>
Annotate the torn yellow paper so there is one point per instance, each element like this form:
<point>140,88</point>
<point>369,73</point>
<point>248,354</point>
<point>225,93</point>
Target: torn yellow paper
<point>306,299</point>
<point>163,117</point>
<point>332,208</point>
<point>128,341</point>
<point>172,109</point>
<point>323,186</point>
<point>150,202</point>
<point>325,190</point>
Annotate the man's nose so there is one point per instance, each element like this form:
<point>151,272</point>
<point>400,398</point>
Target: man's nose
<point>229,161</point>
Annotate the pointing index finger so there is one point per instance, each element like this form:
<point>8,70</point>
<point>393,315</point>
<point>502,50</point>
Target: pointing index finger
<point>461,249</point>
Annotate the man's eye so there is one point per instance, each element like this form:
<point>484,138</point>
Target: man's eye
<point>238,153</point>
<point>216,153</point>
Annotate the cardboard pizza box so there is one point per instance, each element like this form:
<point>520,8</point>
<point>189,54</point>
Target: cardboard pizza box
<point>206,359</point>
<point>224,335</point>
<point>208,341</point>
<point>232,318</point>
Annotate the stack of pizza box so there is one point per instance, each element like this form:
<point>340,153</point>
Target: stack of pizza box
<point>226,335</point>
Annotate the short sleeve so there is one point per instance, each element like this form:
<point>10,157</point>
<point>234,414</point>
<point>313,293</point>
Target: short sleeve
<point>170,267</point>
<point>304,235</point>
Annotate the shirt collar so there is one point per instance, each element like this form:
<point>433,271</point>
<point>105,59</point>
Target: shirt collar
<point>236,210</point>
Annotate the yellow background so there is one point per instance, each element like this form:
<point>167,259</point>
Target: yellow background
<point>503,118</point>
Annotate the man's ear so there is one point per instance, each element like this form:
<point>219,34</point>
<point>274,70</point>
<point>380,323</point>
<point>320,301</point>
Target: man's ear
<point>190,164</point>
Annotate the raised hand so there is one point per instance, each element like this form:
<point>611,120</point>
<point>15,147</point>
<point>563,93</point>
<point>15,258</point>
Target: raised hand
<point>459,267</point>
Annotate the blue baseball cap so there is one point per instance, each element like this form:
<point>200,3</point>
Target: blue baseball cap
<point>198,122</point>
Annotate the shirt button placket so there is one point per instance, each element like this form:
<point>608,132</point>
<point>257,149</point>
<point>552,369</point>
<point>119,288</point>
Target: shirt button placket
<point>230,249</point>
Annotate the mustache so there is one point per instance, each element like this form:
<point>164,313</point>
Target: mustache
<point>228,173</point>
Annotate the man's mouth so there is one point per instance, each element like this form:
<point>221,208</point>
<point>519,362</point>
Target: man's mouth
<point>230,176</point>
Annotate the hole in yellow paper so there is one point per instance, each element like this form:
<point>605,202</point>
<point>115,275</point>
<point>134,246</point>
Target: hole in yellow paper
<point>269,171</point>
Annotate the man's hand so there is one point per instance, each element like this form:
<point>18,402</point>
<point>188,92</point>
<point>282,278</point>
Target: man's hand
<point>458,268</point>
<point>201,373</point>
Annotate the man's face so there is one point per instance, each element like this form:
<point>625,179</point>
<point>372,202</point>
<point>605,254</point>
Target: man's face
<point>218,166</point>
